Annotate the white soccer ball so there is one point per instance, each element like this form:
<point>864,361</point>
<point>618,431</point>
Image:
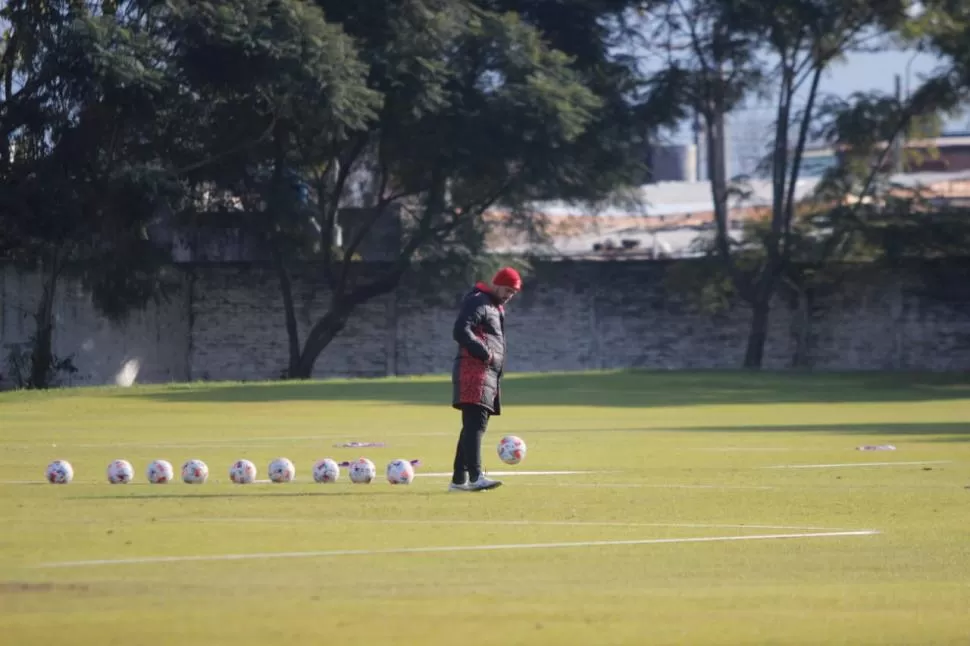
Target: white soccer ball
<point>326,471</point>
<point>159,472</point>
<point>120,472</point>
<point>59,472</point>
<point>400,472</point>
<point>281,470</point>
<point>362,471</point>
<point>511,449</point>
<point>128,373</point>
<point>242,472</point>
<point>195,472</point>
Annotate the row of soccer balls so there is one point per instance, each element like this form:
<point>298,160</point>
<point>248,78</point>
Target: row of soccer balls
<point>362,471</point>
<point>511,450</point>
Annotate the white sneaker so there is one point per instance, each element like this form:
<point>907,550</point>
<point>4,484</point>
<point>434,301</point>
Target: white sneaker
<point>458,487</point>
<point>484,484</point>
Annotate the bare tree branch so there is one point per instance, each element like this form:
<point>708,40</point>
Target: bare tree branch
<point>229,152</point>
<point>797,161</point>
<point>328,199</point>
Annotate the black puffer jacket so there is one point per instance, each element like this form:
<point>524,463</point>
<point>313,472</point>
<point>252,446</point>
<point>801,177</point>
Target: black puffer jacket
<point>480,334</point>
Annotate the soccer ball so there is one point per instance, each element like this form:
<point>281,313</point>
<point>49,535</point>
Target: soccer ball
<point>281,470</point>
<point>243,472</point>
<point>159,472</point>
<point>120,472</point>
<point>511,449</point>
<point>195,472</point>
<point>362,471</point>
<point>326,471</point>
<point>60,472</point>
<point>400,472</point>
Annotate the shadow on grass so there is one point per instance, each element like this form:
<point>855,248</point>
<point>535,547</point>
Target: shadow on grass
<point>938,432</point>
<point>944,428</point>
<point>610,389</point>
<point>941,432</point>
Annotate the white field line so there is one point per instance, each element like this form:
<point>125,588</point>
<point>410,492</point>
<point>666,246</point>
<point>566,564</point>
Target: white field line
<point>444,548</point>
<point>639,485</point>
<point>448,474</point>
<point>855,464</point>
<point>235,442</point>
<point>497,523</point>
<point>423,521</point>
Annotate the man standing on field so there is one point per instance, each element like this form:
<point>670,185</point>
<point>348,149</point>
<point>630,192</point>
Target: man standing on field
<point>480,334</point>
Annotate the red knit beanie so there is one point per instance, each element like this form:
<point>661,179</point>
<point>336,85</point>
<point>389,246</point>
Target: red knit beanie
<point>508,277</point>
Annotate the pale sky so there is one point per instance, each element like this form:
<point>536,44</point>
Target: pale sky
<point>750,129</point>
<point>876,72</point>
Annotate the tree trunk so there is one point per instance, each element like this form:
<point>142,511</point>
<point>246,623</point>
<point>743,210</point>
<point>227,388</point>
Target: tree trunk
<point>717,174</point>
<point>802,329</point>
<point>325,331</point>
<point>42,354</point>
<point>292,331</point>
<point>758,334</point>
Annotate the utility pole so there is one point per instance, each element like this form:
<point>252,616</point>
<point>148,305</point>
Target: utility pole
<point>901,137</point>
<point>700,145</point>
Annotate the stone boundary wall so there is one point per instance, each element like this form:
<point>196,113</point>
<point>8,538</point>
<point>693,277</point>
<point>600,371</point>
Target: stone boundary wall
<point>226,323</point>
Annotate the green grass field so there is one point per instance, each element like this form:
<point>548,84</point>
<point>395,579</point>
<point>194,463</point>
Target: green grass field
<point>641,548</point>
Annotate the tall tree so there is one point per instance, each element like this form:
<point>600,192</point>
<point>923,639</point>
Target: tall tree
<point>941,27</point>
<point>279,92</point>
<point>718,53</point>
<point>81,177</point>
<point>422,113</point>
<point>610,155</point>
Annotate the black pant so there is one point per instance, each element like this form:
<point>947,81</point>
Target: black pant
<point>468,454</point>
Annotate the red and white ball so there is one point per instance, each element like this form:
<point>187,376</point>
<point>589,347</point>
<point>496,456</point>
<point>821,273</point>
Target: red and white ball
<point>242,472</point>
<point>281,470</point>
<point>59,472</point>
<point>326,471</point>
<point>511,449</point>
<point>159,472</point>
<point>362,471</point>
<point>120,472</point>
<point>400,472</point>
<point>195,472</point>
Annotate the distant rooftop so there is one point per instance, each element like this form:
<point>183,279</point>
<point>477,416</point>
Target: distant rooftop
<point>673,217</point>
<point>686,198</point>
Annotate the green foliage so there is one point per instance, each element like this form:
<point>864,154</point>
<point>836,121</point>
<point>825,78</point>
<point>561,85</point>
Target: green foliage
<point>141,115</point>
<point>82,171</point>
<point>942,28</point>
<point>702,285</point>
<point>21,369</point>
<point>422,114</point>
<point>335,133</point>
<point>717,55</point>
<point>868,130</point>
<point>899,230</point>
<point>600,37</point>
<point>261,71</point>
